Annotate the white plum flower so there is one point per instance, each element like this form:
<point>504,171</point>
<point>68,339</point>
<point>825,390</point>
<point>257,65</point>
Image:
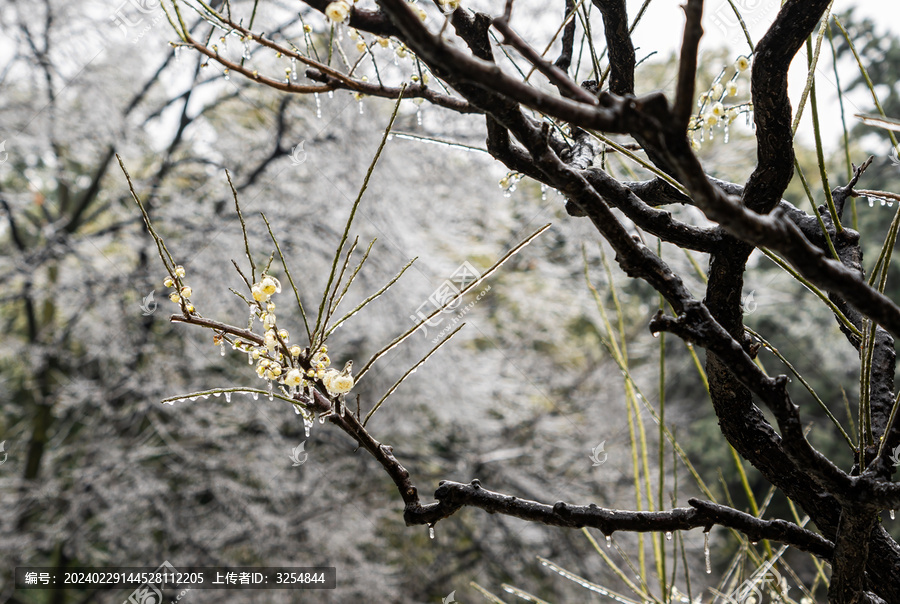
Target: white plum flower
<point>338,11</point>
<point>293,378</point>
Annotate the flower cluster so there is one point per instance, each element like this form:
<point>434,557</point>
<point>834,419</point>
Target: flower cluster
<point>183,292</point>
<point>293,368</point>
<point>714,110</point>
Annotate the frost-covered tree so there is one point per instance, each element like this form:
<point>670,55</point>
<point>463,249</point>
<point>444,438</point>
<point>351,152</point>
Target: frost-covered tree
<point>547,120</point>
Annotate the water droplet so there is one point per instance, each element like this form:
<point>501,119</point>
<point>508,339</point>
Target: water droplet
<point>361,108</point>
<point>892,514</point>
<point>318,106</point>
<point>227,397</point>
<point>192,398</point>
<point>271,395</point>
<point>871,202</point>
<point>322,419</point>
<point>431,531</point>
<point>706,552</point>
<point>608,541</point>
<point>255,395</point>
<point>668,535</point>
<point>543,192</point>
<point>331,94</point>
<point>227,77</point>
<point>655,334</point>
<point>217,394</point>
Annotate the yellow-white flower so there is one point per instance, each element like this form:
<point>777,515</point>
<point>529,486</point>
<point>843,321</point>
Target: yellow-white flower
<point>269,321</point>
<point>353,34</point>
<point>295,351</point>
<point>271,341</point>
<point>338,11</point>
<point>401,51</point>
<point>337,382</point>
<point>283,334</point>
<point>168,282</point>
<point>174,297</point>
<point>179,271</point>
<point>257,292</point>
<point>293,378</point>
<point>186,291</point>
<point>710,120</point>
<point>717,91</point>
<point>419,11</point>
<point>718,110</point>
<point>731,89</point>
<point>383,42</point>
<point>448,6</point>
<point>742,63</point>
<point>270,285</point>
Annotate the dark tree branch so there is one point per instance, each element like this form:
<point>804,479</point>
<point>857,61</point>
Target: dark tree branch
<point>687,66</point>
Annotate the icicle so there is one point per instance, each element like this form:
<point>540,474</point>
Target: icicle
<point>543,192</point>
<point>322,418</point>
<point>246,54</point>
<point>431,531</point>
<point>655,334</point>
<point>318,106</point>
<point>271,394</point>
<point>227,397</point>
<point>706,552</point>
<point>307,424</point>
<point>892,514</point>
<point>871,202</point>
<point>249,359</point>
<point>222,351</point>
<point>331,94</point>
<point>361,108</point>
<point>668,535</point>
<point>726,134</point>
<point>609,541</point>
<point>255,395</point>
<point>217,394</point>
<point>419,116</point>
<point>227,77</point>
<point>177,53</point>
<point>294,69</point>
<point>193,398</point>
<point>342,407</point>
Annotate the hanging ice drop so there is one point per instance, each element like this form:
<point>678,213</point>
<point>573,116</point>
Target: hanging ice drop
<point>706,552</point>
